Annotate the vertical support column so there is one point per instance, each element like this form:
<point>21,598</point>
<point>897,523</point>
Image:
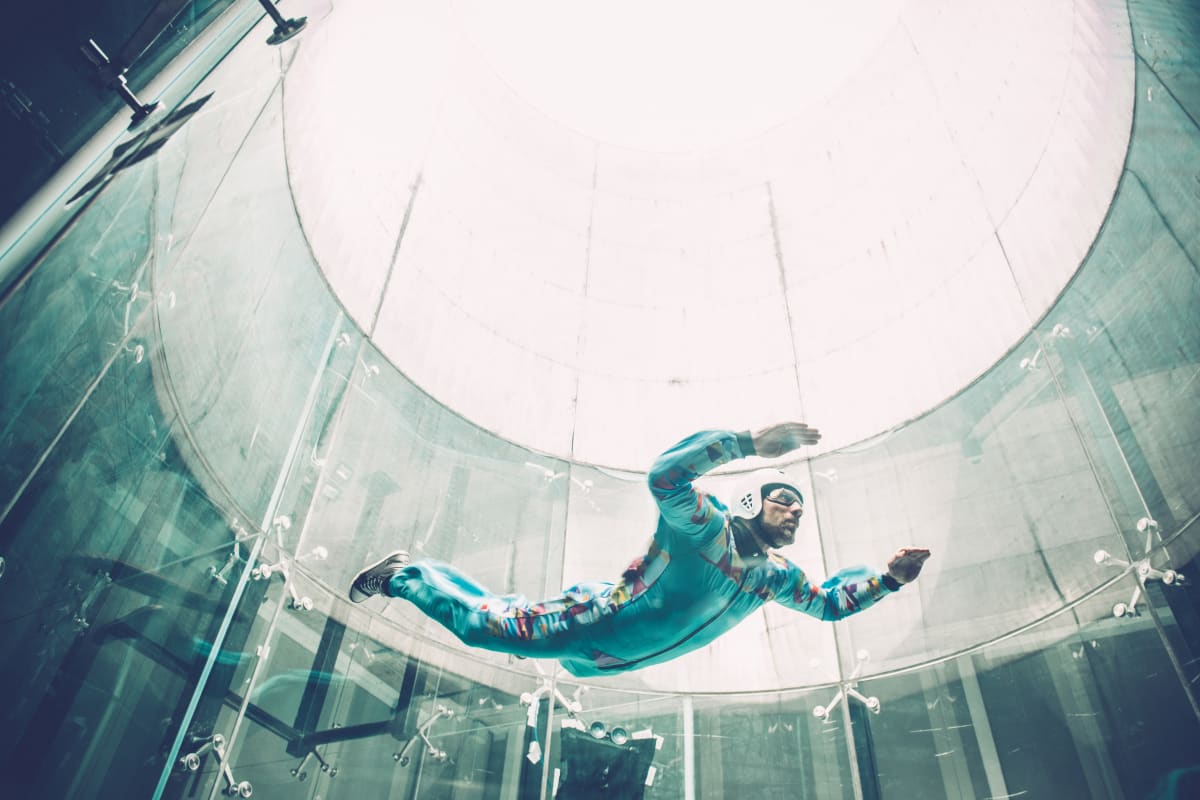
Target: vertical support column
<point>826,766</point>
<point>547,769</point>
<point>689,748</point>
<point>316,689</point>
<point>856,766</point>
<point>977,710</point>
<point>514,756</point>
<point>947,741</point>
<point>1105,415</point>
<point>1079,712</point>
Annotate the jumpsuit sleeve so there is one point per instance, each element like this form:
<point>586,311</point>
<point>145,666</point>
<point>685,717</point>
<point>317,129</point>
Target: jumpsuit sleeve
<point>847,592</point>
<point>688,511</point>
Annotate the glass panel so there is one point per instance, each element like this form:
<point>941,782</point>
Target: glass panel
<point>251,322</point>
<point>196,163</point>
<point>1084,704</point>
<point>772,746</point>
<point>336,704</point>
<point>399,471</point>
<point>1170,593</point>
<point>998,486</point>
<point>1124,342</point>
<point>60,327</point>
<point>118,568</point>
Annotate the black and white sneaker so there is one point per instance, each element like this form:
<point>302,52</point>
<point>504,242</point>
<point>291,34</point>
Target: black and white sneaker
<point>371,580</point>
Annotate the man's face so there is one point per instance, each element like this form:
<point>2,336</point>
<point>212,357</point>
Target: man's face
<point>780,517</point>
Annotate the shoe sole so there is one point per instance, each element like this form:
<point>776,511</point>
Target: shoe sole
<point>368,568</point>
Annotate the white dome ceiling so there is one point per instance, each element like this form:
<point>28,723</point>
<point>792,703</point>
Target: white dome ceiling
<point>595,230</point>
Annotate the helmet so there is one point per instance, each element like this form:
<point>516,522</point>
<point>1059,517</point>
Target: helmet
<point>747,497</point>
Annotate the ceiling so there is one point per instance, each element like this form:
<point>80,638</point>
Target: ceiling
<point>595,230</point>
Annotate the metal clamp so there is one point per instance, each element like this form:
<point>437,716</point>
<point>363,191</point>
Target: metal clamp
<point>240,534</point>
<point>437,754</point>
<point>113,76</point>
<point>848,689</point>
<point>1142,568</point>
<point>284,28</point>
<point>216,744</point>
<point>547,686</point>
<point>221,575</point>
<point>265,572</point>
<point>103,580</point>
<point>1059,331</point>
<point>301,774</point>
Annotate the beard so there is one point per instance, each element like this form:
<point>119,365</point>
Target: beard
<point>774,536</point>
<point>782,537</point>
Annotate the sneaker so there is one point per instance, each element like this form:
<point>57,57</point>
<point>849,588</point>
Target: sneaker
<point>371,580</point>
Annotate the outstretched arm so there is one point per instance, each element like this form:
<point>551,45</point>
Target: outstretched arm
<point>844,593</point>
<point>852,590</point>
<point>696,514</point>
<point>687,510</point>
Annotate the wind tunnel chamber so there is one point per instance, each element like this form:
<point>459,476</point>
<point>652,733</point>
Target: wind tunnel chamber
<point>211,422</point>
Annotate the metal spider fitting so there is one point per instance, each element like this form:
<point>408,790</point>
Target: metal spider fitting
<point>1142,568</point>
<point>848,689</point>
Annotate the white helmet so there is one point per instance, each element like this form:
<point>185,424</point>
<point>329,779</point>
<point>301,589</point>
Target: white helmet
<point>747,497</point>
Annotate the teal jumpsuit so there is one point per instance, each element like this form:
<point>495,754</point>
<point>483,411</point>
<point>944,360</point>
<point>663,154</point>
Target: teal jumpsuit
<point>691,586</point>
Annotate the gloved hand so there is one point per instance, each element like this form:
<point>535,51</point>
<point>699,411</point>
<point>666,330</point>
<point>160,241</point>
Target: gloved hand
<point>776,440</point>
<point>906,565</point>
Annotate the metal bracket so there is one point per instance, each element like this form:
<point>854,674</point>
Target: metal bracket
<point>221,574</point>
<point>216,744</point>
<point>431,751</point>
<point>113,76</point>
<point>547,686</point>
<point>282,568</point>
<point>104,579</point>
<point>1142,568</point>
<point>532,699</point>
<point>301,774</point>
<point>848,689</point>
<point>1059,331</point>
<point>284,28</point>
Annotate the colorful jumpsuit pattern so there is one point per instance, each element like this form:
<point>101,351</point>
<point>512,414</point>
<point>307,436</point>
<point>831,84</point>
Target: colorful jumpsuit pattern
<point>690,587</point>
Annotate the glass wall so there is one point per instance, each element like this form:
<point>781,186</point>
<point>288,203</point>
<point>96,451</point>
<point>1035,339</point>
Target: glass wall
<point>200,450</point>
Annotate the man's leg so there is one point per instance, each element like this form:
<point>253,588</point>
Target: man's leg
<point>479,618</point>
<point>503,623</point>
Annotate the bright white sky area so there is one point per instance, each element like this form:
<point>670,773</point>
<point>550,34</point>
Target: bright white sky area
<point>596,228</point>
<point>674,76</point>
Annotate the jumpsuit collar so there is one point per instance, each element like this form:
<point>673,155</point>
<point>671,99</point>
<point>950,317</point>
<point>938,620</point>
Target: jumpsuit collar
<point>744,543</point>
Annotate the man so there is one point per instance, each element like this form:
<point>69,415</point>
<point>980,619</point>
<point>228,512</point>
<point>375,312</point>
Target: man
<point>707,568</point>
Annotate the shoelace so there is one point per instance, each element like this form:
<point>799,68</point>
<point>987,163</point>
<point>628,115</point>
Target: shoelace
<point>371,584</point>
